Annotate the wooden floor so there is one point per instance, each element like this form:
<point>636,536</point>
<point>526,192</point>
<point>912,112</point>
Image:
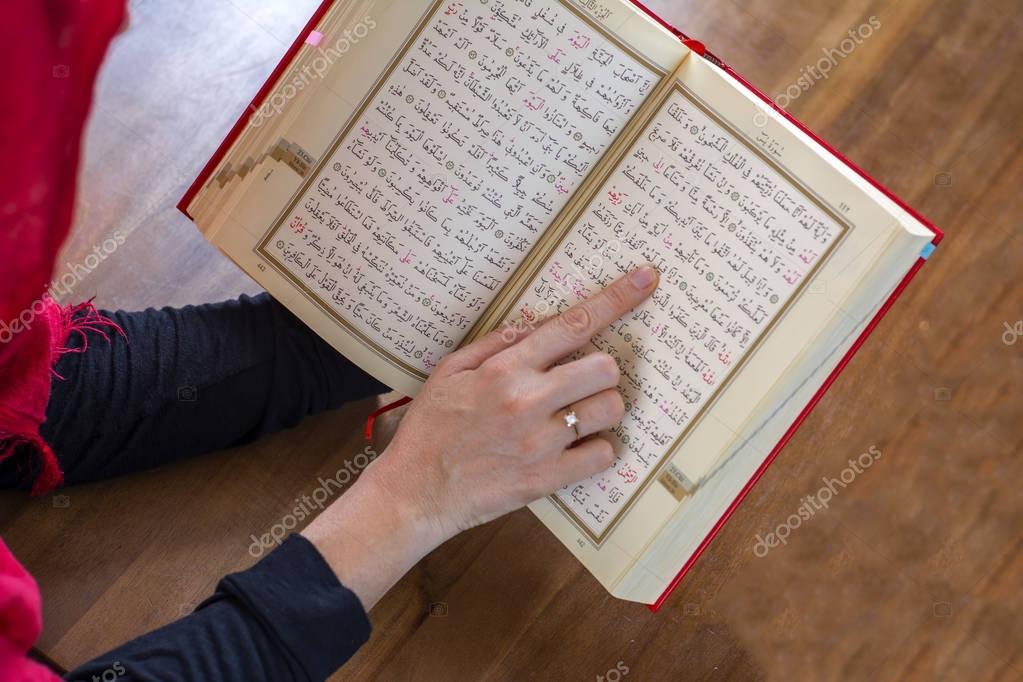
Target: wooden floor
<point>915,571</point>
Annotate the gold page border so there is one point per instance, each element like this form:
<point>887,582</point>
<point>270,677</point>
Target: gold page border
<point>312,296</point>
<point>695,99</point>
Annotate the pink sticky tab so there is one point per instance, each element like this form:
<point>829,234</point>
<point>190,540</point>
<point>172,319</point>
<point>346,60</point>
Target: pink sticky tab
<point>314,39</point>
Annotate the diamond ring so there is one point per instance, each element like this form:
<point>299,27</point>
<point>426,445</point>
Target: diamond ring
<point>572,421</point>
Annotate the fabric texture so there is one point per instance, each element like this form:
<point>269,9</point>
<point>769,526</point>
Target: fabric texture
<point>183,382</point>
<point>287,618</point>
<point>186,386</point>
<point>51,51</point>
<point>20,622</point>
<point>190,381</point>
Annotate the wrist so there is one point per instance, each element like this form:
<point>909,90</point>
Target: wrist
<point>377,530</point>
<point>412,495</point>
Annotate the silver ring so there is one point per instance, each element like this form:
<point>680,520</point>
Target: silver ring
<point>572,421</point>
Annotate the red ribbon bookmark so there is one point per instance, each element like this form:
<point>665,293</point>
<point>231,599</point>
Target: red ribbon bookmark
<point>372,418</point>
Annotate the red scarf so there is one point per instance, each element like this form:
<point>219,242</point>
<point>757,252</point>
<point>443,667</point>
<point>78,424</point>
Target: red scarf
<point>50,53</point>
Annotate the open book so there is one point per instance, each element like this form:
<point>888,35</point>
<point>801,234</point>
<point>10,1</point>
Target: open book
<point>417,173</point>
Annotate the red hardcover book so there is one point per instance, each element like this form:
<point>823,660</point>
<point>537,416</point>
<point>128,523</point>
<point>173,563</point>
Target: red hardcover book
<point>206,177</point>
<point>700,49</point>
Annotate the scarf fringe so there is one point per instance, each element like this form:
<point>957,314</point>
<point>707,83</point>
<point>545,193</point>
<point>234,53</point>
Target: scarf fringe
<point>71,320</point>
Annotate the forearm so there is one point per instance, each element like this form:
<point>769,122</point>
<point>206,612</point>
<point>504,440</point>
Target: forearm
<point>378,530</point>
<point>287,618</point>
<point>170,387</point>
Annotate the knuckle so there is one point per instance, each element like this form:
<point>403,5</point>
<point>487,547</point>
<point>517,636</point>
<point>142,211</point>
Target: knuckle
<point>617,407</point>
<point>497,384</point>
<point>603,413</point>
<point>515,402</point>
<point>444,363</point>
<point>532,485</point>
<point>506,333</point>
<point>607,368</point>
<point>496,371</point>
<point>618,298</point>
<point>527,402</point>
<point>510,335</point>
<point>577,320</point>
<point>603,453</point>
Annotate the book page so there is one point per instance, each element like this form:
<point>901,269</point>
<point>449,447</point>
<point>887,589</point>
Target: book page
<point>460,159</point>
<point>326,79</point>
<point>513,101</point>
<point>734,239</point>
<point>761,242</point>
<point>716,491</point>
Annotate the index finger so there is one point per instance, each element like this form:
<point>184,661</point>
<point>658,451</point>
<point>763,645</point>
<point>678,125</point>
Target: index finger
<point>571,330</point>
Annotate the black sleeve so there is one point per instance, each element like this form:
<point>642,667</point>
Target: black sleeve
<point>182,382</point>
<point>286,618</point>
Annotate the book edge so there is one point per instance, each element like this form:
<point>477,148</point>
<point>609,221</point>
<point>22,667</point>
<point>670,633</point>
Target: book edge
<point>265,91</point>
<point>790,432</point>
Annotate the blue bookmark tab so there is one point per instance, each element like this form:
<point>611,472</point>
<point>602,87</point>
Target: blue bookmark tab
<point>927,251</point>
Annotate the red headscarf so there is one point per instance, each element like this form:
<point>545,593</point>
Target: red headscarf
<point>50,53</point>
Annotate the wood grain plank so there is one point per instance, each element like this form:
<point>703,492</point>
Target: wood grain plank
<point>913,572</point>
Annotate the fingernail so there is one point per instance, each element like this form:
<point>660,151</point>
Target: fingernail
<point>643,277</point>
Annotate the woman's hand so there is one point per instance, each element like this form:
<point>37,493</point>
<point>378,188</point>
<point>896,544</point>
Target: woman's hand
<point>486,435</point>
